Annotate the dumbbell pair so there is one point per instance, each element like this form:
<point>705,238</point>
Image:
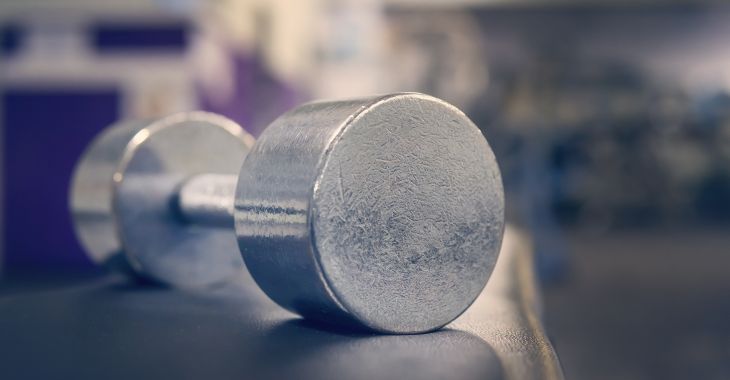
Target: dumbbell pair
<point>385,212</point>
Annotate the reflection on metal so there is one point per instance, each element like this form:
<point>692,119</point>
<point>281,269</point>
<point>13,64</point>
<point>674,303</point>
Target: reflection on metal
<point>207,199</point>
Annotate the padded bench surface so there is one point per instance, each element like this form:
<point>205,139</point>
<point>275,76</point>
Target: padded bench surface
<point>111,329</point>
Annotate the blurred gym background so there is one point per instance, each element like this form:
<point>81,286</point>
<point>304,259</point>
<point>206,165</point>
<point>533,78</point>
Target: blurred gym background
<point>610,120</point>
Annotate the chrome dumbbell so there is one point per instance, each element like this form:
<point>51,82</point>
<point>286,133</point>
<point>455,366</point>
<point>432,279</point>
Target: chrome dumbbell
<point>384,212</point>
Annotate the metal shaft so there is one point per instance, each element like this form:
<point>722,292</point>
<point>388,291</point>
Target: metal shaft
<point>208,199</point>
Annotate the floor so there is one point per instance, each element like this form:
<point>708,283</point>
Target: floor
<point>644,305</point>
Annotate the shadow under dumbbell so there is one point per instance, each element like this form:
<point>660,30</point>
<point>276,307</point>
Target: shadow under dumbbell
<point>301,349</point>
<point>119,329</point>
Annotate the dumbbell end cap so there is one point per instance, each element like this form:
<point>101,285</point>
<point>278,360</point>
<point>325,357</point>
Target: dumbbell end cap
<point>124,191</point>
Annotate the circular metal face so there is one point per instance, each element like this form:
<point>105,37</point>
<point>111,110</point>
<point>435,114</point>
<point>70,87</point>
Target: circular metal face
<point>156,162</point>
<point>393,220</point>
<point>91,195</point>
<point>407,213</point>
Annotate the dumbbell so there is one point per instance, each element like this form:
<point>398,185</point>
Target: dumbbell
<point>385,212</point>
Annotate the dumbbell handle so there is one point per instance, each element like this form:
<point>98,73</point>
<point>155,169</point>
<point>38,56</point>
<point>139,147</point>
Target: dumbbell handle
<point>207,199</point>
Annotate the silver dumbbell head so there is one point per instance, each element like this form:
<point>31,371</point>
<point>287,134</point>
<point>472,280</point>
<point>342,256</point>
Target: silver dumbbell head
<point>383,212</point>
<point>124,186</point>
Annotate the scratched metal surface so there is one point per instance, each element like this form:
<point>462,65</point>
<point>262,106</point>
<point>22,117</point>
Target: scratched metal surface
<point>390,209</point>
<point>115,330</point>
